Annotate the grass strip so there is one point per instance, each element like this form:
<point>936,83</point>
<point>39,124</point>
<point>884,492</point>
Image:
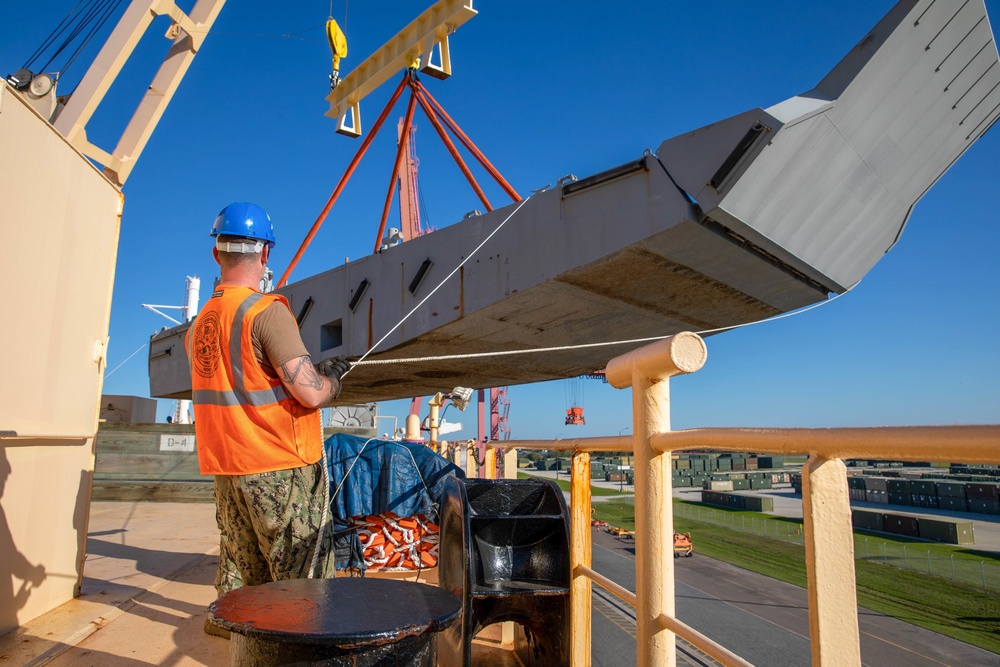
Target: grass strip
<point>951,608</point>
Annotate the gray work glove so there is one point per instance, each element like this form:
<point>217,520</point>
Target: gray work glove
<point>334,367</point>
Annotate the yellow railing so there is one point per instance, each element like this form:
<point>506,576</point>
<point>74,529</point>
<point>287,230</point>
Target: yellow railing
<point>833,617</point>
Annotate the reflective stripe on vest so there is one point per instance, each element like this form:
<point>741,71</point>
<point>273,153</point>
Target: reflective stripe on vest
<point>231,398</point>
<point>236,350</point>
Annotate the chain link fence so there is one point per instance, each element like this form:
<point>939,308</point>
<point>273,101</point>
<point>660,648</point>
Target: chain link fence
<point>979,573</point>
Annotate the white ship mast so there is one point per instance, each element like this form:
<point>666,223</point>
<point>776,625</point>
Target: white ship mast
<point>192,288</point>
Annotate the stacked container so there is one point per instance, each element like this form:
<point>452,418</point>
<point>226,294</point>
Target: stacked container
<point>876,490</point>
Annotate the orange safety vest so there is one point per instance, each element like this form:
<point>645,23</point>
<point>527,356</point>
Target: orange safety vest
<point>245,422</point>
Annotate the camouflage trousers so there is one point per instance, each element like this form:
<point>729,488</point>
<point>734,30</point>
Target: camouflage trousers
<point>269,527</point>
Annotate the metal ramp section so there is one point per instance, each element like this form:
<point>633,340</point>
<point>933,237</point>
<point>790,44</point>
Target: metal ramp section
<point>790,203</point>
<point>827,180</point>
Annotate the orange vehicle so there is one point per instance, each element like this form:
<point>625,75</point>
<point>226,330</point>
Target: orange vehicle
<point>683,545</point>
<point>621,533</point>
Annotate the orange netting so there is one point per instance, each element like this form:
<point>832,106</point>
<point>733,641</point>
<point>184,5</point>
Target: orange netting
<point>392,542</point>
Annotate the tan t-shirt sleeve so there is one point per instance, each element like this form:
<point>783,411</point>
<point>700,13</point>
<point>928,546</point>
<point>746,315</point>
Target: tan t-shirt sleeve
<point>276,338</point>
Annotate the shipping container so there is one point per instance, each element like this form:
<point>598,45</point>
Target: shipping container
<point>770,461</point>
<point>713,485</point>
<point>953,503</point>
<point>980,506</point>
<point>741,484</point>
<point>901,524</point>
<point>876,497</point>
<point>898,486</point>
<point>924,487</point>
<point>758,504</point>
<point>899,498</point>
<point>982,491</point>
<point>856,482</point>
<point>762,483</point>
<point>867,520</point>
<point>949,532</point>
<point>951,489</point>
<point>736,502</point>
<point>714,498</point>
<point>876,484</point>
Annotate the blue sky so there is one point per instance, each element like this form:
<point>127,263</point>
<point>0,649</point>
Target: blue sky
<point>548,89</point>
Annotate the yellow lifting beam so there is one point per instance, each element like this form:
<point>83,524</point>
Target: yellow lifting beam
<point>413,43</point>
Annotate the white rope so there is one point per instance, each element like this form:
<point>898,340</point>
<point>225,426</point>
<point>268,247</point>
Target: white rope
<point>111,372</point>
<point>325,516</point>
<point>562,348</point>
<point>348,473</point>
<point>446,278</point>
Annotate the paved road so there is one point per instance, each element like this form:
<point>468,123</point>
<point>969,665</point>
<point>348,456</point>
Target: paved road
<point>762,619</point>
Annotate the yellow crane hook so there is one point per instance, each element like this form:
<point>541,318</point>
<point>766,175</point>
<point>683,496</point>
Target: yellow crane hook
<point>338,45</point>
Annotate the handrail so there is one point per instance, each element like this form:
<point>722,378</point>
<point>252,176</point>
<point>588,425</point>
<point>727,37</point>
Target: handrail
<point>713,649</point>
<point>834,633</point>
<point>970,444</point>
<point>611,443</point>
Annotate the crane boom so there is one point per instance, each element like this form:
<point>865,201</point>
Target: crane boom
<point>188,32</point>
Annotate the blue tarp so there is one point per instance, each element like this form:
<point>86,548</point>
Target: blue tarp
<point>372,476</point>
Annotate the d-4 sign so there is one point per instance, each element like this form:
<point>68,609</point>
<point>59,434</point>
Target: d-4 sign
<point>176,443</point>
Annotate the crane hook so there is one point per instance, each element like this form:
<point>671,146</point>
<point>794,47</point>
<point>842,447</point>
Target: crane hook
<point>338,46</point>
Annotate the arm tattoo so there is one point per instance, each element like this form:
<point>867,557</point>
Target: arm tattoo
<point>301,371</point>
<point>334,390</point>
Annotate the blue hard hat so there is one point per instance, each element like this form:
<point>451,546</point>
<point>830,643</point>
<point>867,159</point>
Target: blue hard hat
<point>245,220</point>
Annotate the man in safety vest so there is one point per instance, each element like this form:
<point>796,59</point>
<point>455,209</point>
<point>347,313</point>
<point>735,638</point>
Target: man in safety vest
<point>256,397</point>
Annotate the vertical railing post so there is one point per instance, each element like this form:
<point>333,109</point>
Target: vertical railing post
<point>580,554</point>
<point>509,472</point>
<point>510,463</point>
<point>833,603</point>
<point>471,463</point>
<point>647,370</point>
<point>654,576</point>
<point>491,463</point>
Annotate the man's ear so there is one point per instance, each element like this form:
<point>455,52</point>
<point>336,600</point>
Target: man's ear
<point>265,254</point>
<point>215,254</point>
